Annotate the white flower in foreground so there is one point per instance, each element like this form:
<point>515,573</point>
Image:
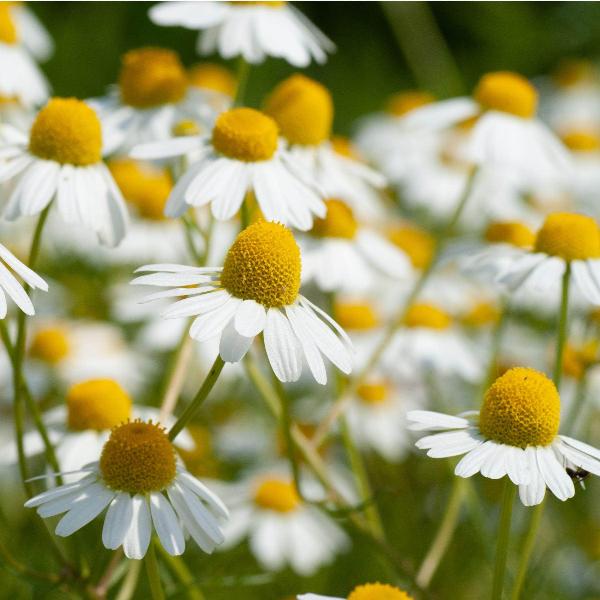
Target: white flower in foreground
<point>253,30</point>
<point>340,254</point>
<point>506,132</point>
<point>366,591</point>
<point>9,284</point>
<point>243,154</point>
<point>139,480</point>
<point>256,291</point>
<point>62,159</point>
<point>515,433</point>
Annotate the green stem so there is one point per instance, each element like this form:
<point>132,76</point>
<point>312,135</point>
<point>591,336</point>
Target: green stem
<point>244,215</point>
<point>503,539</point>
<point>153,575</point>
<point>205,388</point>
<point>130,581</point>
<point>243,71</point>
<point>182,573</point>
<point>561,334</point>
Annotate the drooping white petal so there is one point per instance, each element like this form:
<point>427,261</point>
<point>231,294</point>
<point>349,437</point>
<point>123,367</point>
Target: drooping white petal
<point>250,318</point>
<point>554,474</point>
<point>92,501</point>
<point>532,493</point>
<point>137,538</point>
<point>166,524</point>
<point>471,463</point>
<point>282,346</point>
<point>233,346</point>
<point>449,443</point>
<point>117,520</point>
<point>420,420</point>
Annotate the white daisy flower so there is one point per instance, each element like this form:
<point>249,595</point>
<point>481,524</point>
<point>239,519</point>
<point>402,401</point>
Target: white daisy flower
<point>243,154</point>
<point>62,159</point>
<point>340,254</point>
<point>366,591</point>
<point>31,31</point>
<point>515,433</point>
<point>281,528</point>
<point>152,99</point>
<point>139,480</point>
<point>253,30</point>
<point>506,132</point>
<point>256,291</point>
<point>9,284</point>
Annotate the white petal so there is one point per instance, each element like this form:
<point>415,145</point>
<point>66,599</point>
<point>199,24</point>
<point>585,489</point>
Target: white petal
<point>117,520</point>
<point>282,346</point>
<point>533,492</point>
<point>137,538</point>
<point>93,500</point>
<point>471,462</point>
<point>427,419</point>
<point>233,346</point>
<point>449,443</point>
<point>250,318</point>
<point>554,474</point>
<point>214,502</point>
<point>166,524</point>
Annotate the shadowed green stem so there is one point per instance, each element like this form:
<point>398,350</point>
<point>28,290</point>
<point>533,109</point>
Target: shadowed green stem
<point>503,538</point>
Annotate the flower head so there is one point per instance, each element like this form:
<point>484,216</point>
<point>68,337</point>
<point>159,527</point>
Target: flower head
<point>507,92</point>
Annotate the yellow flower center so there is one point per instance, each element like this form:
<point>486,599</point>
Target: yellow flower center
<point>8,31</point>
<point>97,404</point>
<point>378,591</point>
<point>374,392</point>
<point>144,186</point>
<point>338,222</point>
<point>521,408</point>
<point>416,243</point>
<point>581,140</point>
<point>577,359</point>
<point>186,127</point>
<point>481,314</point>
<point>344,147</point>
<point>356,316</point>
<point>303,109</point>
<point>50,345</point>
<point>510,232</point>
<point>572,72</point>
<point>138,458</point>
<point>404,102</point>
<point>210,76</point>
<point>263,264</point>
<point>67,131</point>
<point>507,92</point>
<point>245,134</point>
<point>427,315</point>
<point>569,236</point>
<point>151,77</point>
<point>278,495</point>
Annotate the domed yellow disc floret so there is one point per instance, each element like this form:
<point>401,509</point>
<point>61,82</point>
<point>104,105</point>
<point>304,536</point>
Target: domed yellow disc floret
<point>144,186</point>
<point>338,222</point>
<point>571,72</point>
<point>8,31</point>
<point>50,344</point>
<point>263,264</point>
<point>577,359</point>
<point>416,243</point>
<point>510,232</point>
<point>67,131</point>
<point>151,77</point>
<point>303,109</point>
<point>569,236</point>
<point>402,103</point>
<point>210,76</point>
<point>481,314</point>
<point>138,458</point>
<point>507,92</point>
<point>356,316</point>
<point>373,392</point>
<point>581,140</point>
<point>97,404</point>
<point>378,591</point>
<point>427,315</point>
<point>245,134</point>
<point>278,495</point>
<point>521,408</point>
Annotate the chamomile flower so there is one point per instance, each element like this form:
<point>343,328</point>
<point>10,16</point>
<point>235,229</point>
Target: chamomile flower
<point>242,154</point>
<point>515,433</point>
<point>62,159</point>
<point>340,254</point>
<point>256,291</point>
<point>366,591</point>
<point>253,30</point>
<point>506,132</point>
<point>145,489</point>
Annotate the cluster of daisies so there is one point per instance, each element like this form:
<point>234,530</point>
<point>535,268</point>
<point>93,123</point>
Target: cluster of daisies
<point>414,272</point>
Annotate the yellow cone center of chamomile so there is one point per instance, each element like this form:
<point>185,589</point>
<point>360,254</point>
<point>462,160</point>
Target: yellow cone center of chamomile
<point>416,243</point>
<point>373,393</point>
<point>572,72</point>
<point>581,140</point>
<point>144,186</point>
<point>151,77</point>
<point>138,458</point>
<point>378,591</point>
<point>67,131</point>
<point>210,76</point>
<point>424,314</point>
<point>338,222</point>
<point>263,264</point>
<point>402,103</point>
<point>303,109</point>
<point>186,127</point>
<point>277,495</point>
<point>481,314</point>
<point>8,31</point>
<point>50,345</point>
<point>507,92</point>
<point>245,134</point>
<point>97,404</point>
<point>577,359</point>
<point>569,236</point>
<point>356,316</point>
<point>521,408</point>
<point>510,232</point>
